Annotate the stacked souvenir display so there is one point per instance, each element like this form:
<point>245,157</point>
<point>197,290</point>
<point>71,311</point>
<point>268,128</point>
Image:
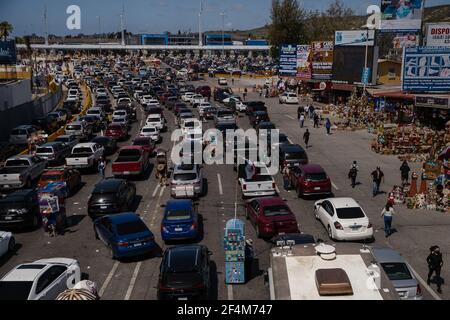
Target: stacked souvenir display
<point>410,142</point>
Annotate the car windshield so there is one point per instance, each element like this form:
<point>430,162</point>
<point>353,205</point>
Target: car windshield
<point>319,176</point>
<point>15,290</point>
<point>397,271</point>
<point>148,130</point>
<point>295,155</point>
<point>17,163</point>
<point>65,140</point>
<point>132,227</point>
<point>176,215</point>
<point>44,150</point>
<point>225,114</point>
<point>276,210</point>
<point>183,260</point>
<point>261,178</point>
<point>350,213</point>
<point>185,176</point>
<point>82,150</point>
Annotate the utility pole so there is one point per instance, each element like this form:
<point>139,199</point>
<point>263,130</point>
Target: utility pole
<point>365,63</point>
<point>46,25</point>
<point>200,35</point>
<point>122,25</point>
<point>222,14</point>
<point>99,33</point>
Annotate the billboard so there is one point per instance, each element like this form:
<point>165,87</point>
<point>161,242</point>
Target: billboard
<point>438,35</point>
<point>349,63</point>
<point>401,14</point>
<point>288,60</point>
<point>304,61</point>
<point>405,40</point>
<point>8,52</point>
<point>426,69</point>
<point>354,38</point>
<point>322,60</point>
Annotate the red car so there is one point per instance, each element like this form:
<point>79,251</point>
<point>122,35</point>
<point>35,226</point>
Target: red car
<point>71,177</point>
<point>270,216</point>
<point>116,132</point>
<point>205,91</point>
<point>310,179</point>
<point>131,161</point>
<point>145,142</point>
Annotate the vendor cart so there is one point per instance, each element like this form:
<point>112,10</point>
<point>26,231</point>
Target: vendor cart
<point>52,207</point>
<point>161,166</point>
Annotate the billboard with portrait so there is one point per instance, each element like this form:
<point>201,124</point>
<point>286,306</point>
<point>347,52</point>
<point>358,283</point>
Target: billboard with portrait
<point>426,69</point>
<point>405,40</point>
<point>322,60</point>
<point>304,61</point>
<point>401,15</point>
<point>288,60</point>
<point>438,35</point>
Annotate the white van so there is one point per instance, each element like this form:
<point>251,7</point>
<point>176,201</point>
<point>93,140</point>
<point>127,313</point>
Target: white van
<point>22,135</point>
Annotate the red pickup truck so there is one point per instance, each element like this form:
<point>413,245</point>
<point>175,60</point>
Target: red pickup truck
<point>131,161</point>
<point>145,142</point>
<point>116,132</point>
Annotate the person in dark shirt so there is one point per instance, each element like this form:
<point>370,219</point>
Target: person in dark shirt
<point>435,264</point>
<point>404,170</point>
<point>377,177</point>
<point>306,136</point>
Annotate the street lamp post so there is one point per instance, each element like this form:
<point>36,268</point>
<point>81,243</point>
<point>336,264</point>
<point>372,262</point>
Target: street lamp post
<point>99,33</point>
<point>223,32</point>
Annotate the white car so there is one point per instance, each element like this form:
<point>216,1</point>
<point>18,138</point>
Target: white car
<point>150,131</point>
<point>197,99</point>
<point>202,106</point>
<point>187,96</point>
<point>7,242</point>
<point>146,99</point>
<point>43,279</point>
<point>344,219</point>
<point>156,120</point>
<point>124,100</point>
<point>240,106</point>
<point>192,127</point>
<point>223,82</point>
<point>120,114</point>
<point>288,98</point>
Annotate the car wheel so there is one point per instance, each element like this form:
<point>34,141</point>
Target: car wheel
<point>11,244</point>
<point>330,233</point>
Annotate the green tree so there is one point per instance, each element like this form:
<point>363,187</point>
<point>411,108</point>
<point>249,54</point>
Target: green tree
<point>288,24</point>
<point>5,29</point>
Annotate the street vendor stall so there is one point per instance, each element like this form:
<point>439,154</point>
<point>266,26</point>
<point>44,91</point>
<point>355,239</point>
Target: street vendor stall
<point>52,207</point>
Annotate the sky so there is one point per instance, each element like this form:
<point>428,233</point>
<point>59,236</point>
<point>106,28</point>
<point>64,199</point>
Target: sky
<point>151,16</point>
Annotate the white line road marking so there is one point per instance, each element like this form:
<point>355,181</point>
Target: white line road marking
<point>156,190</point>
<point>220,184</point>
<point>230,292</point>
<point>108,278</point>
<point>290,117</point>
<point>133,281</point>
<point>334,186</point>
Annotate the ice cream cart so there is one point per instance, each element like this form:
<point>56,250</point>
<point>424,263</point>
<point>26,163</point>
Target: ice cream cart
<point>52,206</point>
<point>234,245</point>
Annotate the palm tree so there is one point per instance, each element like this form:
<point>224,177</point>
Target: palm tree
<point>5,29</point>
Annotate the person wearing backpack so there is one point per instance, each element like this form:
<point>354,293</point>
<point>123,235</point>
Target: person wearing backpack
<point>353,173</point>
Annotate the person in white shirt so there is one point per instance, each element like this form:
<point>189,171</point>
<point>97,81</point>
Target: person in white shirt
<point>388,212</point>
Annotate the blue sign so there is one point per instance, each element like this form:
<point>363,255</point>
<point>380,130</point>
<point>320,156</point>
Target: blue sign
<point>426,69</point>
<point>8,52</point>
<point>288,60</point>
<point>366,75</point>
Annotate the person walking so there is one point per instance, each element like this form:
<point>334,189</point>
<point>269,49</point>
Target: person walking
<point>311,111</point>
<point>245,94</point>
<point>404,170</point>
<point>353,173</point>
<point>328,126</point>
<point>306,136</point>
<point>435,264</point>
<point>286,180</point>
<point>102,167</point>
<point>316,120</point>
<point>302,120</point>
<point>299,112</point>
<point>377,177</point>
<point>388,213</point>
<point>232,81</point>
<point>307,110</point>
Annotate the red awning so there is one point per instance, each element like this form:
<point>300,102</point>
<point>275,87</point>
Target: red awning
<point>394,94</point>
<point>343,87</point>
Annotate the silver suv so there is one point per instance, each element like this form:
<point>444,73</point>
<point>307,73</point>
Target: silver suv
<point>187,181</point>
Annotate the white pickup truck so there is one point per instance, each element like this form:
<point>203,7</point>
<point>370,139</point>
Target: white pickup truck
<point>85,156</point>
<point>21,171</point>
<point>261,184</point>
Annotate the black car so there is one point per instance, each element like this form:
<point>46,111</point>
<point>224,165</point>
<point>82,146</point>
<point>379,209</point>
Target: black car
<point>223,127</point>
<point>292,154</point>
<point>253,106</point>
<point>265,125</point>
<point>20,209</point>
<point>185,273</point>
<point>108,143</point>
<point>73,106</point>
<point>111,196</point>
<point>49,124</point>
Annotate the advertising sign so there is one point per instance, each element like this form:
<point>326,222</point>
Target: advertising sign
<point>401,14</point>
<point>405,40</point>
<point>354,38</point>
<point>438,35</point>
<point>288,60</point>
<point>366,75</point>
<point>433,102</point>
<point>304,61</point>
<point>322,60</point>
<point>8,52</point>
<point>349,63</point>
<point>426,69</point>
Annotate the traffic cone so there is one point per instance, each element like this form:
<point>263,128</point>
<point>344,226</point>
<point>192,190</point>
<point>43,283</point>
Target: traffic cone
<point>413,188</point>
<point>423,186</point>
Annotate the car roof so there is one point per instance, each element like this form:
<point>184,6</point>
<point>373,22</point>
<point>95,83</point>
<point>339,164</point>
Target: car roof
<point>312,168</point>
<point>291,148</point>
<point>179,204</point>
<point>108,185</point>
<point>267,201</point>
<point>343,202</point>
<point>124,217</point>
<point>18,193</point>
<point>85,144</point>
<point>385,255</point>
<point>25,272</point>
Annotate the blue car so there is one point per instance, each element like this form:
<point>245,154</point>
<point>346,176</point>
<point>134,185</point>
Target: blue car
<point>125,234</point>
<point>180,221</point>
